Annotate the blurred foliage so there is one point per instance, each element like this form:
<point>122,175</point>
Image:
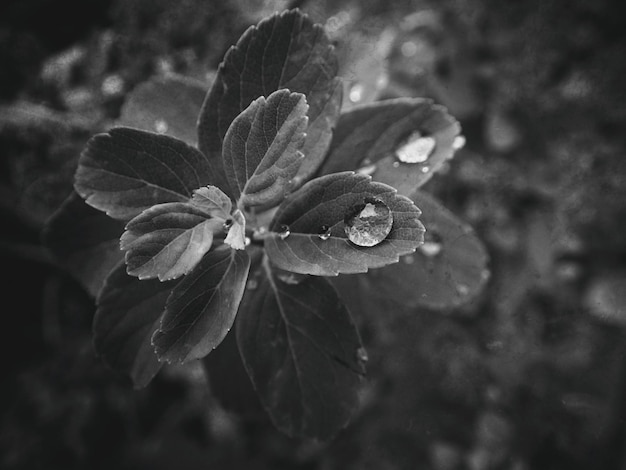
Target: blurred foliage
<point>529,375</point>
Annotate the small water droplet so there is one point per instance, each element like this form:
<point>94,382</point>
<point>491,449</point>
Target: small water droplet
<point>356,93</point>
<point>324,233</point>
<point>291,278</point>
<point>284,232</point>
<point>228,223</point>
<point>368,223</point>
<point>395,164</point>
<point>459,142</point>
<point>462,289</point>
<point>361,355</point>
<point>432,245</point>
<point>367,170</point>
<point>425,169</point>
<point>247,241</point>
<point>252,284</point>
<point>161,126</point>
<point>416,148</point>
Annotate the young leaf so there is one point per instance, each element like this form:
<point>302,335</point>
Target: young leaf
<point>449,269</point>
<point>401,142</point>
<point>168,240</point>
<point>167,105</point>
<point>236,237</point>
<point>302,352</point>
<point>212,201</point>
<point>127,171</point>
<point>311,229</point>
<point>128,314</point>
<point>202,308</point>
<point>262,148</point>
<point>284,51</point>
<point>85,241</point>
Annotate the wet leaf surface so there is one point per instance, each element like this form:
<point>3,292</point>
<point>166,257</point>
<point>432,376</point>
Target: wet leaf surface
<point>321,208</point>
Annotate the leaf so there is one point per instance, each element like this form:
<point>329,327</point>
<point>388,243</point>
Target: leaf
<point>212,201</point>
<point>285,50</point>
<point>128,314</point>
<point>126,171</point>
<point>302,352</point>
<point>168,240</point>
<point>167,105</point>
<point>448,270</point>
<point>262,148</point>
<point>202,308</point>
<point>309,227</point>
<point>369,137</point>
<point>84,241</point>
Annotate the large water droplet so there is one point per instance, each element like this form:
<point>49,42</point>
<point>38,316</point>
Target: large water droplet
<point>368,223</point>
<point>361,355</point>
<point>284,232</point>
<point>324,233</point>
<point>416,149</point>
<point>432,244</point>
<point>161,126</point>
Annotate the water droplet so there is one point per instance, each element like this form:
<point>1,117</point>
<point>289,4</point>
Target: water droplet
<point>361,355</point>
<point>368,223</point>
<point>324,233</point>
<point>459,142</point>
<point>462,289</point>
<point>161,126</point>
<point>396,164</point>
<point>356,93</point>
<point>432,244</point>
<point>228,223</point>
<point>247,241</point>
<point>284,232</point>
<point>367,170</point>
<point>410,259</point>
<point>416,148</point>
<point>252,284</point>
<point>425,169</point>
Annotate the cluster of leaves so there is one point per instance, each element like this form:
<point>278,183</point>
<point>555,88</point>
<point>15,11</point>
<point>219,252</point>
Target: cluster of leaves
<point>241,222</point>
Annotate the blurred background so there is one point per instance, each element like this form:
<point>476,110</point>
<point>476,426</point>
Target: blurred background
<point>530,375</point>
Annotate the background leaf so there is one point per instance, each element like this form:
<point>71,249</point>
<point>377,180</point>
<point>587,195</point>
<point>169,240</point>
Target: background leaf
<point>166,105</point>
<point>202,308</point>
<point>168,240</point>
<point>262,148</point>
<point>283,51</point>
<point>369,136</point>
<point>319,208</point>
<point>301,350</point>
<point>127,171</point>
<point>128,314</point>
<point>84,241</point>
<point>449,269</point>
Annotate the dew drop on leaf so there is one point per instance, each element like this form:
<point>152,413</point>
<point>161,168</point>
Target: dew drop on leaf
<point>425,169</point>
<point>356,93</point>
<point>361,355</point>
<point>462,289</point>
<point>284,232</point>
<point>324,233</point>
<point>459,142</point>
<point>369,223</point>
<point>247,241</point>
<point>161,126</point>
<point>252,284</point>
<point>432,244</point>
<point>416,149</point>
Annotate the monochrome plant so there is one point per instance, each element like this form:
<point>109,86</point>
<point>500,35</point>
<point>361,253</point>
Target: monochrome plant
<point>234,208</point>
